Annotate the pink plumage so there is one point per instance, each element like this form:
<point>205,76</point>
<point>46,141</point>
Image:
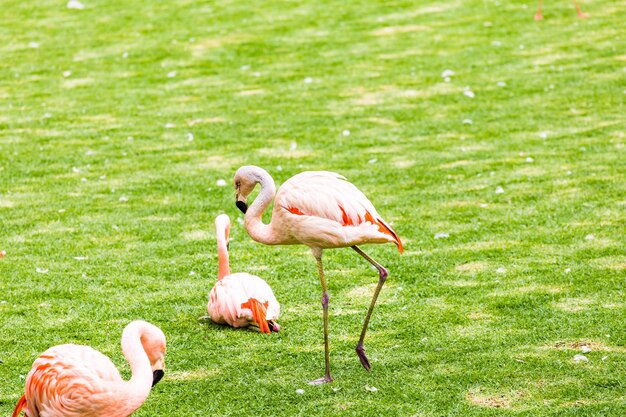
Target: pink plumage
<point>240,299</point>
<point>319,209</point>
<point>78,381</point>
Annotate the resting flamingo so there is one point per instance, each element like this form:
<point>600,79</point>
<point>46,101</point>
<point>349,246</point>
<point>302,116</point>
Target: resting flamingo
<point>78,381</point>
<point>322,210</point>
<point>539,16</point>
<point>240,299</point>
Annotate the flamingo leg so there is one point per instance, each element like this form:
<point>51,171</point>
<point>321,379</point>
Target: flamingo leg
<point>579,10</point>
<point>538,15</point>
<point>326,378</point>
<point>382,272</point>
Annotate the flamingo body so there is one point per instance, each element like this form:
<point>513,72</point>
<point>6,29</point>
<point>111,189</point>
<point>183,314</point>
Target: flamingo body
<point>240,299</point>
<point>78,381</point>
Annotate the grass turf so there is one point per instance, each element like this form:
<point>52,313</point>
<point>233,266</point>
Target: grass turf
<point>118,120</point>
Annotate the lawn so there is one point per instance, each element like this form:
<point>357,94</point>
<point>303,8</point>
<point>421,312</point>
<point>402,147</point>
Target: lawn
<point>505,176</point>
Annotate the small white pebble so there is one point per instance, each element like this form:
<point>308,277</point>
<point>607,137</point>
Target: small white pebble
<point>123,199</point>
<point>580,358</point>
<point>530,159</point>
<point>590,237</point>
<point>543,135</point>
<point>300,391</point>
<point>189,136</point>
<point>441,235</point>
<point>499,190</point>
<point>125,55</point>
<point>604,358</point>
<point>170,125</point>
<point>467,121</point>
<point>585,349</point>
<point>568,270</point>
<point>75,4</point>
<point>483,205</point>
<point>80,258</point>
<point>67,73</point>
<point>130,138</point>
<point>487,24</point>
<point>114,227</point>
<point>501,270</point>
<point>171,74</point>
<point>346,132</point>
<point>469,93</point>
<point>372,161</point>
<point>33,45</point>
<point>496,43</point>
<point>61,210</point>
<point>76,170</point>
<point>501,84</point>
<point>83,179</point>
<point>245,67</point>
<point>521,47</point>
<point>192,273</point>
<point>371,389</point>
<point>447,79</point>
<point>447,73</point>
<point>308,80</point>
<point>41,270</point>
<point>279,168</point>
<point>221,183</point>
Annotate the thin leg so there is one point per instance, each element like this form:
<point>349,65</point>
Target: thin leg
<point>580,12</point>
<point>538,15</point>
<point>382,272</point>
<point>326,378</point>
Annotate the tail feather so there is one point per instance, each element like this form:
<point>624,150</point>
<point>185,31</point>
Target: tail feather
<point>21,405</point>
<point>259,313</point>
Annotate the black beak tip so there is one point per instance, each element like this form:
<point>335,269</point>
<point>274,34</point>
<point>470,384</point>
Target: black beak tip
<point>242,206</point>
<point>157,376</point>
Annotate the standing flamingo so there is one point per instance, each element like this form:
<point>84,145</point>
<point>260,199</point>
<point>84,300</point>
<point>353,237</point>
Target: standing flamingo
<point>241,299</point>
<point>539,16</point>
<point>78,381</point>
<point>322,210</point>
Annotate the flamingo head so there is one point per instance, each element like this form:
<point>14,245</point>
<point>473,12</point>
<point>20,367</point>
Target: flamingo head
<point>154,345</point>
<point>246,178</point>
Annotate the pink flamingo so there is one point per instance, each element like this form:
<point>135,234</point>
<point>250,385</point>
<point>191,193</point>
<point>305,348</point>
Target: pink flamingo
<point>539,16</point>
<point>241,299</point>
<point>322,210</point>
<point>78,381</point>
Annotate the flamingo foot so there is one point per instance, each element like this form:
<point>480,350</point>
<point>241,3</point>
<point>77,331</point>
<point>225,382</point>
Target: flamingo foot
<point>323,380</point>
<point>583,15</point>
<point>360,351</point>
<point>538,16</point>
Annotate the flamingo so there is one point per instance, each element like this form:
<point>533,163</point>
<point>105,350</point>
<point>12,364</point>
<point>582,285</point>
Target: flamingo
<point>539,16</point>
<point>240,299</point>
<point>78,381</point>
<point>321,210</point>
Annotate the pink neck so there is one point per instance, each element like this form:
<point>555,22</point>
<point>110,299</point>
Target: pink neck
<point>222,230</point>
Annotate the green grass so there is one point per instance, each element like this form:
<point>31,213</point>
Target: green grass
<point>484,322</point>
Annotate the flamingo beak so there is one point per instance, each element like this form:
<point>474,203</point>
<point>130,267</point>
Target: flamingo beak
<point>241,205</point>
<point>157,376</point>
<point>274,327</point>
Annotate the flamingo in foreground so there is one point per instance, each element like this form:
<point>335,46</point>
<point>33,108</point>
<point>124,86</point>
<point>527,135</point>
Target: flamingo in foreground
<point>322,210</point>
<point>78,381</point>
<point>241,299</point>
<point>539,16</point>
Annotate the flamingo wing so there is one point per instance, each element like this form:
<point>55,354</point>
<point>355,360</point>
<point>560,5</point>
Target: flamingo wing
<point>69,380</point>
<point>330,196</point>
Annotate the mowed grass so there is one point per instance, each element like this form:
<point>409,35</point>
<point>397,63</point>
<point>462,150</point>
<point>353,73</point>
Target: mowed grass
<point>118,120</point>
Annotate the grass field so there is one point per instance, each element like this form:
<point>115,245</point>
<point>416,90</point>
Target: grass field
<point>506,182</point>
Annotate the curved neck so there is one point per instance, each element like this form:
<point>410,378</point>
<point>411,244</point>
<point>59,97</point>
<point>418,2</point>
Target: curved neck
<point>223,268</point>
<point>138,387</point>
<point>252,220</point>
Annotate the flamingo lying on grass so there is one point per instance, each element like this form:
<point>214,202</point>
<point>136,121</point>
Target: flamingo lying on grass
<point>78,381</point>
<point>241,299</point>
<point>539,16</point>
<point>322,210</point>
